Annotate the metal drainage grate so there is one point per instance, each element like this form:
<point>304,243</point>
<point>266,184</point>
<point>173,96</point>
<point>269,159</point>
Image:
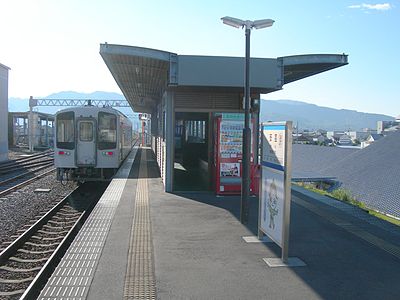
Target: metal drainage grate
<point>140,278</point>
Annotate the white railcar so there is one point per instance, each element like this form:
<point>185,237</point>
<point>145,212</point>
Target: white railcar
<point>91,142</point>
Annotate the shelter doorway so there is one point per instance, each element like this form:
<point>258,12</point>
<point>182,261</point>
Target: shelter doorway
<point>192,155</point>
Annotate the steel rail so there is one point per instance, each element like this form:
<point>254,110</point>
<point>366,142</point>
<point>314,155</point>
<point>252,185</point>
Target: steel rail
<point>16,167</point>
<point>22,184</point>
<point>25,159</point>
<point>41,278</point>
<point>14,246</point>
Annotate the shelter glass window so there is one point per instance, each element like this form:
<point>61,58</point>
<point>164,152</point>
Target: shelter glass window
<point>195,133</point>
<point>65,130</point>
<point>107,131</point>
<point>85,131</point>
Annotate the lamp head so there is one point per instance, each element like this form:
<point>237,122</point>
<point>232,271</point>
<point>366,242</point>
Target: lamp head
<point>237,23</point>
<point>259,24</point>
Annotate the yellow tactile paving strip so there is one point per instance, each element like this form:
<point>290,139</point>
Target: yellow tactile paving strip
<point>140,278</point>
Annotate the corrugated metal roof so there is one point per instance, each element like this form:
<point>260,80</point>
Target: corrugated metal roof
<point>141,73</point>
<point>144,74</point>
<point>297,67</point>
<point>5,67</point>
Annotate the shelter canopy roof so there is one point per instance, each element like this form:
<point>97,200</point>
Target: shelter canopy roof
<point>297,67</point>
<point>4,67</point>
<point>144,74</point>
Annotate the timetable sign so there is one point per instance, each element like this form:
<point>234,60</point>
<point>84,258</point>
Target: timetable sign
<point>273,152</point>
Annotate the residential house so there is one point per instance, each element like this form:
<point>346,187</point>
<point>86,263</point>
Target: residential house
<point>358,135</point>
<point>301,139</point>
<point>345,140</point>
<point>371,139</point>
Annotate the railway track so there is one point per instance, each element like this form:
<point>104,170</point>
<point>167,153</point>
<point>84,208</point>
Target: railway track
<point>26,164</point>
<point>14,183</point>
<point>18,167</point>
<point>25,159</point>
<point>26,263</point>
<point>23,171</point>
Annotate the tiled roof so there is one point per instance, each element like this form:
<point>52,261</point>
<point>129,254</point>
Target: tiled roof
<point>376,136</point>
<point>371,174</point>
<point>313,159</point>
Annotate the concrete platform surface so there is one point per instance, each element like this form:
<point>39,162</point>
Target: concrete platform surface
<point>199,252</point>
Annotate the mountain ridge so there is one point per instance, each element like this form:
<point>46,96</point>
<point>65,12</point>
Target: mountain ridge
<point>313,117</point>
<point>307,115</point>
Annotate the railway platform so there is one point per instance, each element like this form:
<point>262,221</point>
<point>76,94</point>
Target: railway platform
<point>143,243</point>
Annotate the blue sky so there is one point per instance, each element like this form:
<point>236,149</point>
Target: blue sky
<point>53,46</point>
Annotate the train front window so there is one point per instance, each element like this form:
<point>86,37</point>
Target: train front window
<point>107,131</point>
<point>65,130</point>
<point>85,131</point>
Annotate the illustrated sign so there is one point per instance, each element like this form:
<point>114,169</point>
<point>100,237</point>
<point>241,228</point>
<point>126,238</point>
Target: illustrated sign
<point>272,204</point>
<point>275,182</point>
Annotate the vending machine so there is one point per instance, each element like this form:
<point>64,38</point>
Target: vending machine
<point>228,154</point>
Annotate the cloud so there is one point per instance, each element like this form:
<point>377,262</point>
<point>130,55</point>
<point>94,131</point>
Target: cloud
<point>381,6</point>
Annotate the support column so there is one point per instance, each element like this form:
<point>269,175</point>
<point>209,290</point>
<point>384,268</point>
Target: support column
<point>30,129</point>
<point>47,132</point>
<point>31,123</point>
<point>25,132</point>
<point>169,140</point>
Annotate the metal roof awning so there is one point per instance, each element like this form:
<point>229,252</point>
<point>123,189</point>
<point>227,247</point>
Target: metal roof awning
<point>4,67</point>
<point>297,67</point>
<point>26,114</point>
<point>141,73</point>
<point>144,74</point>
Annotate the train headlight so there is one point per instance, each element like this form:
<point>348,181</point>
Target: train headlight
<point>108,153</point>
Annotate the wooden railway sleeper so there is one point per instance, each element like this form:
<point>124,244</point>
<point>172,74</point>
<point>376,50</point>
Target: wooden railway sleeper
<point>22,260</point>
<point>35,252</point>
<point>10,269</point>
<point>47,238</point>
<point>60,223</point>
<point>42,245</point>
<point>53,232</point>
<point>22,280</point>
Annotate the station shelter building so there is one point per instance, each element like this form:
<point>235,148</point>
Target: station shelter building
<point>185,94</point>
<point>42,130</point>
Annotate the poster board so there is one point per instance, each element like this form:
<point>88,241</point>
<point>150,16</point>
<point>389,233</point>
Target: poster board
<point>275,192</point>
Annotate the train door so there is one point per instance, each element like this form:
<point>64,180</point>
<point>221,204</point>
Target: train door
<point>86,145</point>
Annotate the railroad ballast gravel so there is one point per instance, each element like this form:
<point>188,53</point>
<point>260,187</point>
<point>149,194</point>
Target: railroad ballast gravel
<point>21,207</point>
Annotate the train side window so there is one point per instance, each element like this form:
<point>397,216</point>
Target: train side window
<point>85,131</point>
<point>107,129</point>
<point>65,130</point>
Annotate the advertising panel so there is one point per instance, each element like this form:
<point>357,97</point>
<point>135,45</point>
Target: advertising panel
<point>275,182</point>
<point>272,204</point>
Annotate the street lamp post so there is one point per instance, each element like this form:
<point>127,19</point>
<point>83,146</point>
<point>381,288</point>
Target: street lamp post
<point>248,25</point>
